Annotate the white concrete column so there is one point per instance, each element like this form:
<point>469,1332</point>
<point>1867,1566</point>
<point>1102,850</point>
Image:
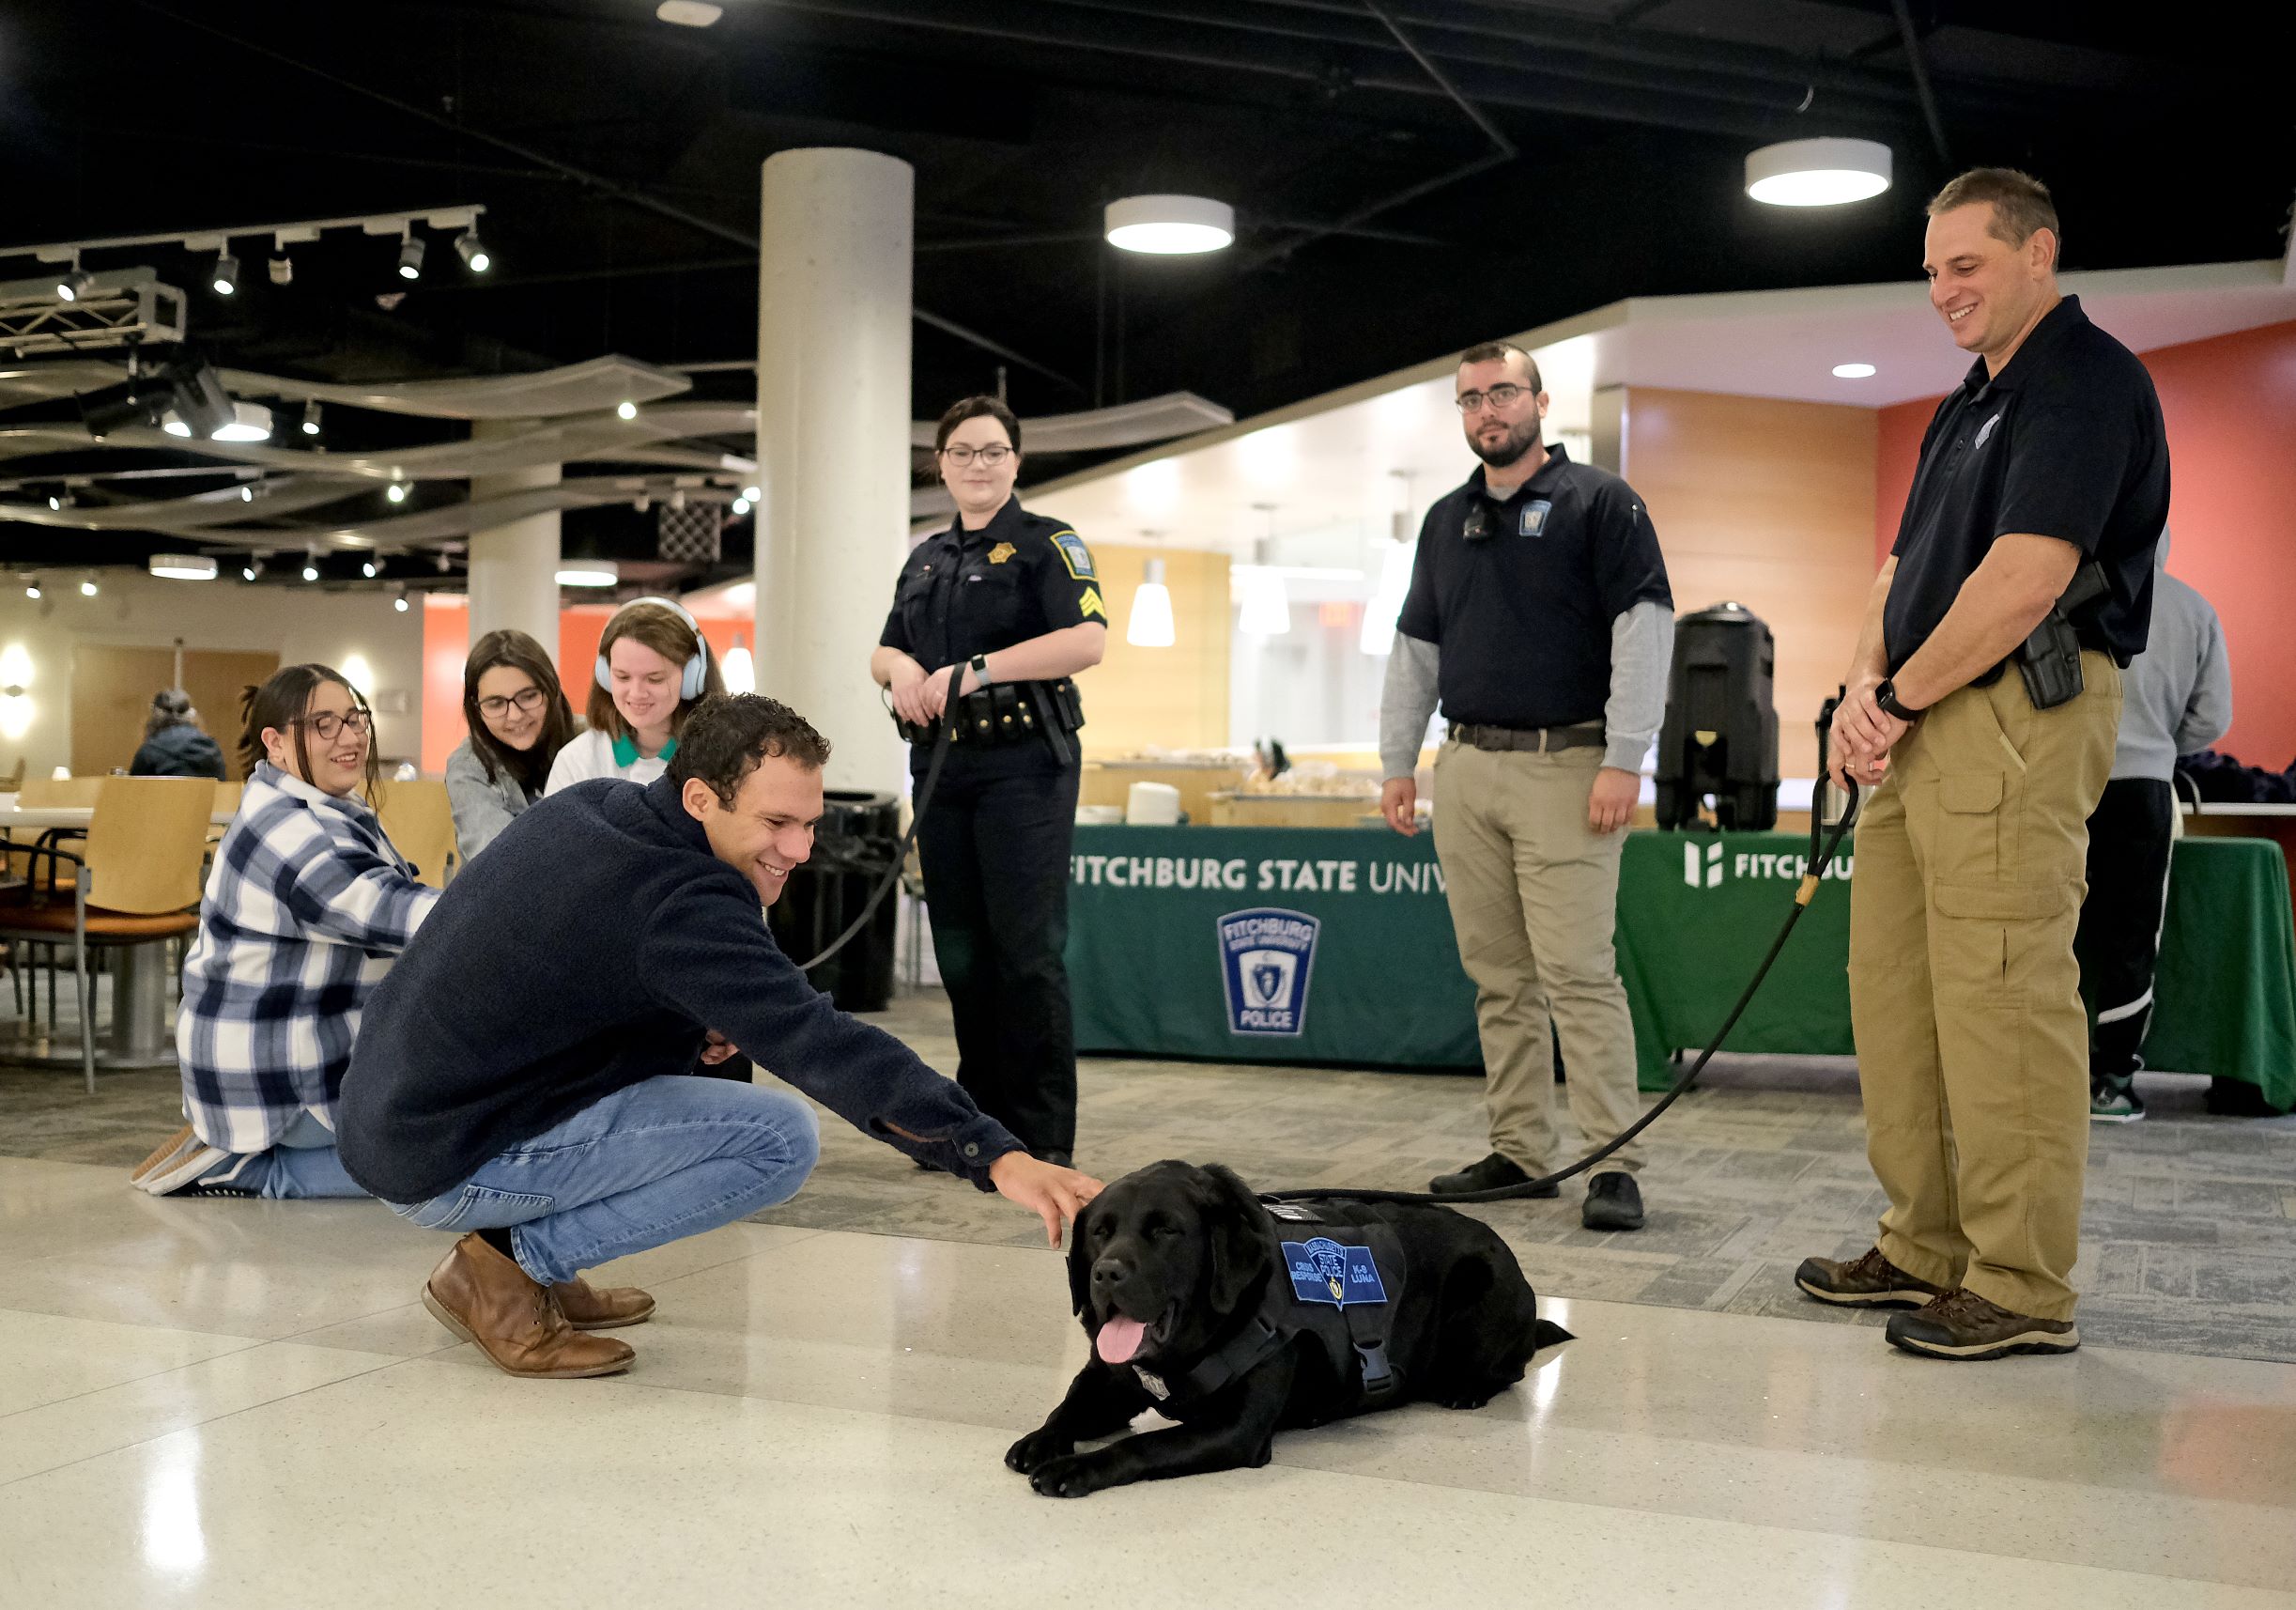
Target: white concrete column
<point>833,441</point>
<point>514,567</point>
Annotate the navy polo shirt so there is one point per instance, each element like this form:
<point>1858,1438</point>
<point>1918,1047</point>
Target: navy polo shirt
<point>1522,612</point>
<point>962,593</point>
<point>2065,441</point>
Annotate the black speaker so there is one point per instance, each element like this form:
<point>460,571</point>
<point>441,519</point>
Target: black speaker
<point>1719,739</point>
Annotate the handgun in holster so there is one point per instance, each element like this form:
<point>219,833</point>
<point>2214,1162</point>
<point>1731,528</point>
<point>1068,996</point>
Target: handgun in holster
<point>2050,659</point>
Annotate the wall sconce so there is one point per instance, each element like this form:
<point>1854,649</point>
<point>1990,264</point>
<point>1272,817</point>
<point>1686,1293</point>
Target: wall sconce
<point>16,709</point>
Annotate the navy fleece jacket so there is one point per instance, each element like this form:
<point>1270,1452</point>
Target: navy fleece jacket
<point>590,947</point>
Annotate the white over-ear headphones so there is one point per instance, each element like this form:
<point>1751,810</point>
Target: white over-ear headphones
<point>697,665</point>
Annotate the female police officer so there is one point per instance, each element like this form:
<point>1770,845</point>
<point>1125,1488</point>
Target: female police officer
<point>1005,607</point>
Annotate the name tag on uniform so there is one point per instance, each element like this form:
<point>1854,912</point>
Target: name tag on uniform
<point>1533,522</point>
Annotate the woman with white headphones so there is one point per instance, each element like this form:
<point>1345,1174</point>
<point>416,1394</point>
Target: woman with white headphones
<point>653,667</point>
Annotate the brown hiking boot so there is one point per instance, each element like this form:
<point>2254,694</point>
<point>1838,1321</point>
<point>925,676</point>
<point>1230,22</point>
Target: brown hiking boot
<point>1962,1325</point>
<point>491,1302</point>
<point>1870,1281</point>
<point>586,1308</point>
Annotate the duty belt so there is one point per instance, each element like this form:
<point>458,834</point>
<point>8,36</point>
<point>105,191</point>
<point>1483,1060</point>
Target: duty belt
<point>1010,712</point>
<point>1537,741</point>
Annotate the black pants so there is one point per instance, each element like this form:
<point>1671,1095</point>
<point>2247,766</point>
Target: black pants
<point>994,842</point>
<point>2119,940</point>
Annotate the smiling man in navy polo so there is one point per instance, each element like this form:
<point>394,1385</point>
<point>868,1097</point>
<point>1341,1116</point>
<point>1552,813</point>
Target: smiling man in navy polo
<point>2042,489</point>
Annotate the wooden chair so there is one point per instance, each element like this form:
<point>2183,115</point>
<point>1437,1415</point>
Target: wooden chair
<point>420,822</point>
<point>135,881</point>
<point>74,793</point>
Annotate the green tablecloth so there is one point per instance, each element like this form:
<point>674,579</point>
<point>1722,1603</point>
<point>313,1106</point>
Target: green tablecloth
<point>1334,946</point>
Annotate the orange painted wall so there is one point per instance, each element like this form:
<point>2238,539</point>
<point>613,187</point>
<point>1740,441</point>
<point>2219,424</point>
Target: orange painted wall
<point>2230,404</point>
<point>446,644</point>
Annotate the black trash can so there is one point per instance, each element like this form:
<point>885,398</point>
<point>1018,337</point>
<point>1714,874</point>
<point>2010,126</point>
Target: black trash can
<point>1719,739</point>
<point>853,848</point>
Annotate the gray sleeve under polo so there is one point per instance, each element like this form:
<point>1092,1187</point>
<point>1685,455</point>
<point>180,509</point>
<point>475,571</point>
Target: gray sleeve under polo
<point>1641,656</point>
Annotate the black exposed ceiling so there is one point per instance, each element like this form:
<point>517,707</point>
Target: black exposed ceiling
<point>618,157</point>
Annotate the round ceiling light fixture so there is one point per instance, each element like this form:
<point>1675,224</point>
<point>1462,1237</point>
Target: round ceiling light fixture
<point>1170,226</point>
<point>1817,172</point>
<point>182,566</point>
<point>1853,371</point>
<point>589,573</point>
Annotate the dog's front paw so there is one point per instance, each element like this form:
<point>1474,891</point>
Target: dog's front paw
<point>1070,1475</point>
<point>1036,1450</point>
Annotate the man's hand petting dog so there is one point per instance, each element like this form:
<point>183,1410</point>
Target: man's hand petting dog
<point>1047,1189</point>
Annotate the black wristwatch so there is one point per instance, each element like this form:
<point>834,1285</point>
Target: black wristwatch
<point>1887,697</point>
<point>980,669</point>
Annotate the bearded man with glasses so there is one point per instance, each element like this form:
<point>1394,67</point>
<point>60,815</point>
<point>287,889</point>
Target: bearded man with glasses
<point>1539,617</point>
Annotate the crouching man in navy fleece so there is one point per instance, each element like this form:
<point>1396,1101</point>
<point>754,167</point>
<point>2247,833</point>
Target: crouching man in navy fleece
<point>524,1076</point>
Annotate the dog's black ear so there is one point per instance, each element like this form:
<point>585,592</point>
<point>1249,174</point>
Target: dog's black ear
<point>1238,1234</point>
<point>1080,1261</point>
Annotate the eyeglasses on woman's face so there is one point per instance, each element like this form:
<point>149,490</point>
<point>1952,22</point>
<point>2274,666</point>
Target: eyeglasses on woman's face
<point>991,456</point>
<point>327,724</point>
<point>528,700</point>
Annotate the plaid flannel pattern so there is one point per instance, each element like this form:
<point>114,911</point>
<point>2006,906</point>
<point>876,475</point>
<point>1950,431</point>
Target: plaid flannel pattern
<point>306,906</point>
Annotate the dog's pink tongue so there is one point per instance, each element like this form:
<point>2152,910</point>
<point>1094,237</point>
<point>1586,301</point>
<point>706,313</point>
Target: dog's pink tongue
<point>1119,1339</point>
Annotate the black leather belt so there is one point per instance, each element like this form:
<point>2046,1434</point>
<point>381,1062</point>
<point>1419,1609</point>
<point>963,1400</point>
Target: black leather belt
<point>1536,740</point>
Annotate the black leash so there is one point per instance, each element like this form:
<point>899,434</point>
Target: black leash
<point>941,736</point>
<point>1820,857</point>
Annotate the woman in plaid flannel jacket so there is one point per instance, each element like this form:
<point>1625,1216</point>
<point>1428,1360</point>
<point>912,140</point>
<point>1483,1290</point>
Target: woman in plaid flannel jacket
<point>305,909</point>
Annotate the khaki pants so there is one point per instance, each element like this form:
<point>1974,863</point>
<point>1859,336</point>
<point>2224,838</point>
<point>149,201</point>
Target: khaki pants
<point>1533,895</point>
<point>1972,1044</point>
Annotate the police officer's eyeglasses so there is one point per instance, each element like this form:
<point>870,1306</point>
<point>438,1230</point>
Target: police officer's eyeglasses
<point>960,457</point>
<point>528,700</point>
<point>1498,397</point>
<point>327,724</point>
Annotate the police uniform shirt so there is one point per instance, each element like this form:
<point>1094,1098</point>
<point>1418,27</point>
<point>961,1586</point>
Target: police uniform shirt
<point>2065,441</point>
<point>1522,610</point>
<point>964,593</point>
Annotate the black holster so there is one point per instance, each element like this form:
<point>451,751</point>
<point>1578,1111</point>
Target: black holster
<point>2050,659</point>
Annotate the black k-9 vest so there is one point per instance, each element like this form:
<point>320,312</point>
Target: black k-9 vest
<point>1336,1281</point>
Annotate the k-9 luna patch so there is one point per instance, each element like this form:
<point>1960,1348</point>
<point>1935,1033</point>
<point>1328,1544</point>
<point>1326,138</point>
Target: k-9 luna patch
<point>1534,516</point>
<point>1323,1271</point>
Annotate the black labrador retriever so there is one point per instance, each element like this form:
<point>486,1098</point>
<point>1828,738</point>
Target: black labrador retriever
<point>1239,1318</point>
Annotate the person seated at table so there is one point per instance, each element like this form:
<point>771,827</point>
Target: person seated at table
<point>518,720</point>
<point>653,667</point>
<point>174,745</point>
<point>520,1078</point>
<point>305,909</point>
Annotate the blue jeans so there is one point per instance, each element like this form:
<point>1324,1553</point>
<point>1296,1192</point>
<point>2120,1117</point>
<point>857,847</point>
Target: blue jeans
<point>304,1163</point>
<point>653,1162</point>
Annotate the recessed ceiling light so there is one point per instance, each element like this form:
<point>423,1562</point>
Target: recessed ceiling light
<point>1169,225</point>
<point>688,13</point>
<point>626,410</point>
<point>1853,371</point>
<point>1817,172</point>
<point>182,566</point>
<point>589,573</point>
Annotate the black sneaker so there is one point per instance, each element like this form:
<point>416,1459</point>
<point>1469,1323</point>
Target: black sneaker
<point>2114,1101</point>
<point>1493,1173</point>
<point>1613,1201</point>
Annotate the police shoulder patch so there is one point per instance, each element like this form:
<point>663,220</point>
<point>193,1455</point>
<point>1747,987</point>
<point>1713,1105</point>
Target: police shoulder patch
<point>1075,555</point>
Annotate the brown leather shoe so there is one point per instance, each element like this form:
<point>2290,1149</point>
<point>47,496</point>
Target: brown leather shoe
<point>1962,1325</point>
<point>1869,1282</point>
<point>488,1301</point>
<point>586,1308</point>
